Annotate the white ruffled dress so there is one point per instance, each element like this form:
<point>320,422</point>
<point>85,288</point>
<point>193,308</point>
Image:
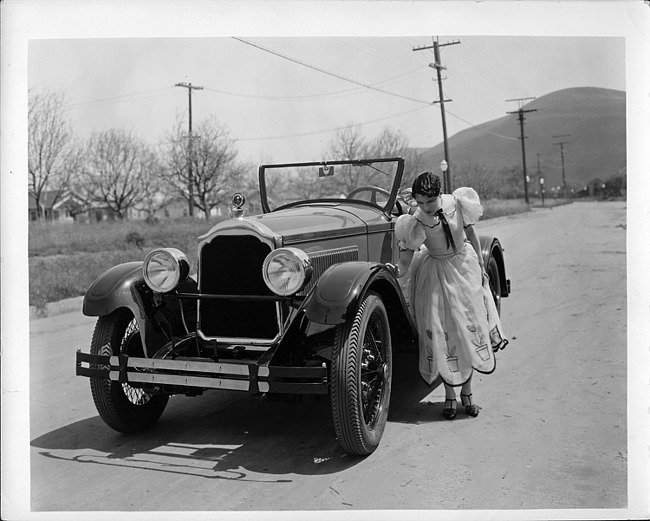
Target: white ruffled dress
<point>458,325</point>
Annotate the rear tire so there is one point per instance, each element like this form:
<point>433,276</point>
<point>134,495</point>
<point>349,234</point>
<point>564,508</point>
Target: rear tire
<point>361,377</point>
<point>124,408</point>
<point>495,283</point>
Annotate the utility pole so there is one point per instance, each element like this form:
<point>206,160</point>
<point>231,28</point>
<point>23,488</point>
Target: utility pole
<point>190,175</point>
<point>521,112</point>
<point>438,66</point>
<point>540,180</point>
<point>562,143</point>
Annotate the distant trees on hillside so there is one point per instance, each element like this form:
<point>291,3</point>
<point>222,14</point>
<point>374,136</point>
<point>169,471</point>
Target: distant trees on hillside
<point>507,183</point>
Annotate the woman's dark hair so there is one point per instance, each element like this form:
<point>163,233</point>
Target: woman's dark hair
<point>427,184</point>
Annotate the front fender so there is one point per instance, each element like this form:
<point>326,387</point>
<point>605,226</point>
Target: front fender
<point>120,286</point>
<point>336,290</point>
<point>123,286</point>
<point>339,291</point>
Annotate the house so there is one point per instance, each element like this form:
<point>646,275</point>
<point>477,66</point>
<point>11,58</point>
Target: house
<point>595,187</point>
<point>60,206</point>
<point>67,206</point>
<point>179,207</point>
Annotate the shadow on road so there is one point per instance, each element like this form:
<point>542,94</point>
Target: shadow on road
<point>231,435</point>
<point>409,389</point>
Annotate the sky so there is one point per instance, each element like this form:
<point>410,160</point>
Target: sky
<point>322,65</point>
<point>283,98</point>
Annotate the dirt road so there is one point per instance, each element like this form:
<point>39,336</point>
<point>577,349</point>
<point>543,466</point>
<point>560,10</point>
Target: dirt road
<point>551,434</point>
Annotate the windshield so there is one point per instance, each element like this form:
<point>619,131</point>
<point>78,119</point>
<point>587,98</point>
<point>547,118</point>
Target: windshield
<point>370,180</point>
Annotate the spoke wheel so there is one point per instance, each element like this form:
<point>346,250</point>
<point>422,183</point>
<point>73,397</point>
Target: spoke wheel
<point>495,283</point>
<point>123,407</point>
<point>361,377</point>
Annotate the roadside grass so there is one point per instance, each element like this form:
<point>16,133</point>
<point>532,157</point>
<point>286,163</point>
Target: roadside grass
<point>64,259</point>
<point>493,208</point>
<point>549,202</point>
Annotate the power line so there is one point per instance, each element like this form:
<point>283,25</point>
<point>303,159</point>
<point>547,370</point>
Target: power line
<point>333,74</point>
<point>496,68</point>
<point>384,52</point>
<point>308,97</point>
<point>114,98</point>
<point>287,98</point>
<point>480,129</point>
<point>331,129</point>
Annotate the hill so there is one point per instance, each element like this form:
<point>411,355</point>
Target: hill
<point>594,118</point>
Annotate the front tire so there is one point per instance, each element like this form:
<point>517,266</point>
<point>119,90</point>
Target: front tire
<point>361,377</point>
<point>124,408</point>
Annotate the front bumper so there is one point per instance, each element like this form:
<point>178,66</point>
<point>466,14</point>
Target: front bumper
<point>191,373</point>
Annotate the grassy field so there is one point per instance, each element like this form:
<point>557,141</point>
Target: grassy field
<point>64,259</point>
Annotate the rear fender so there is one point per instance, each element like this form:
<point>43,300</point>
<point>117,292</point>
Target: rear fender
<point>341,289</point>
<point>491,248</point>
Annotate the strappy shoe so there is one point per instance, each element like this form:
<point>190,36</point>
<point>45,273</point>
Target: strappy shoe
<point>470,408</point>
<point>450,412</point>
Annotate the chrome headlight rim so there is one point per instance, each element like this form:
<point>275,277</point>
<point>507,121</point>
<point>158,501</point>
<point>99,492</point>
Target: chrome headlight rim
<point>299,260</point>
<point>170,264</point>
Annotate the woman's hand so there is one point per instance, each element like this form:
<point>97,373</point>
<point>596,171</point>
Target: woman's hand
<point>394,268</point>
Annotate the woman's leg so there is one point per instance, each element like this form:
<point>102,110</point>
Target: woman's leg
<point>466,389</point>
<point>449,411</point>
<point>466,398</point>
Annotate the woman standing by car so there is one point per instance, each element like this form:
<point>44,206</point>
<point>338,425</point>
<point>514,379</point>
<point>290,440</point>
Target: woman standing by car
<point>458,324</point>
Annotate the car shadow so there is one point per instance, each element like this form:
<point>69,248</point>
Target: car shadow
<point>231,435</point>
<point>407,404</point>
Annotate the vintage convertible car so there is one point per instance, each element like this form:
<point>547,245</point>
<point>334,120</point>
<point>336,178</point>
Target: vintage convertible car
<point>296,300</point>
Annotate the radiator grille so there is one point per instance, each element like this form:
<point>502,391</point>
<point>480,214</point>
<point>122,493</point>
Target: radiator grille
<point>232,265</point>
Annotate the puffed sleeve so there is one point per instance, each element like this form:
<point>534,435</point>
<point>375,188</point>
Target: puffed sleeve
<point>410,234</point>
<point>470,204</point>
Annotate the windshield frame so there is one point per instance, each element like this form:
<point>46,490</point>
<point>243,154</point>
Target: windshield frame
<point>385,208</point>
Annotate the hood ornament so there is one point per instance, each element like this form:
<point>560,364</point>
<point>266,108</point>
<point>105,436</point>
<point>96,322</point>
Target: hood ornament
<point>237,209</point>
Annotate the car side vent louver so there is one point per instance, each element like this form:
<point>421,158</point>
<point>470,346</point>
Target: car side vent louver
<point>322,260</point>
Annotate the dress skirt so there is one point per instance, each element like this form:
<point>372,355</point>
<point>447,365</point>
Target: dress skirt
<point>458,325</point>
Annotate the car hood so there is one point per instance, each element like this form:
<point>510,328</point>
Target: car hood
<point>305,223</point>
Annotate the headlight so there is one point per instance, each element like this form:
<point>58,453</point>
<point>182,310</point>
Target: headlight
<point>165,269</point>
<point>286,271</point>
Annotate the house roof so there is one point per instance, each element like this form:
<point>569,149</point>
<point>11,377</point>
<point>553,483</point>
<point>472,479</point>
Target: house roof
<point>53,199</point>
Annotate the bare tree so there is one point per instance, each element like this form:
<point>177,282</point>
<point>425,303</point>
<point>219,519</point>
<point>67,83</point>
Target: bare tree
<point>350,143</point>
<point>478,176</point>
<point>51,150</point>
<point>214,166</point>
<point>119,172</point>
<point>277,185</point>
<point>156,195</point>
<point>389,143</point>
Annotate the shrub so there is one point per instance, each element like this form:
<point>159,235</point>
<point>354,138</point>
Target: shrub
<point>136,239</point>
